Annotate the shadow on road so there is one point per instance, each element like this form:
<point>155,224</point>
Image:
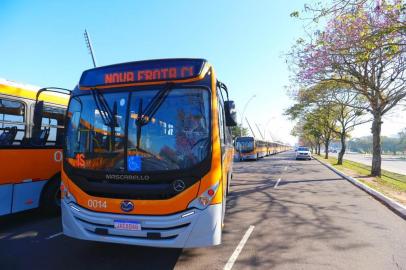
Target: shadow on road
<point>307,207</point>
<point>292,213</point>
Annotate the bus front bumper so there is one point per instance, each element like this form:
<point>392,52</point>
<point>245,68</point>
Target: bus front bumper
<point>250,156</point>
<point>191,228</point>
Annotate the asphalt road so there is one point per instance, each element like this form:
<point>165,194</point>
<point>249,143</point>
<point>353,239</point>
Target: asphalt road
<point>389,162</point>
<point>304,217</point>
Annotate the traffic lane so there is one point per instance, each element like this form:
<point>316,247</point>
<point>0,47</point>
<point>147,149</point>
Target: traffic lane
<point>29,224</point>
<point>32,241</point>
<point>247,204</point>
<point>37,238</point>
<point>305,222</point>
<point>317,220</point>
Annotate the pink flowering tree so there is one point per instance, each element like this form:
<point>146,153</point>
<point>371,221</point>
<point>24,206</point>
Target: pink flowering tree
<point>363,47</point>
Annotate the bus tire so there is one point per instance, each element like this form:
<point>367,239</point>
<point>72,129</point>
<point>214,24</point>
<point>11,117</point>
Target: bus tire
<point>51,196</point>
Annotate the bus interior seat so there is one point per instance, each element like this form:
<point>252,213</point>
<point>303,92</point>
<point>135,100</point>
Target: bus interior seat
<point>8,135</point>
<point>41,139</point>
<point>25,141</point>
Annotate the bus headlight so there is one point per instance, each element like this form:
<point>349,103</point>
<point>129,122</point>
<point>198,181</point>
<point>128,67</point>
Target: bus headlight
<point>205,198</point>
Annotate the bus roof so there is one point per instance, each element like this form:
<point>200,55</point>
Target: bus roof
<point>30,91</point>
<point>156,71</point>
<point>246,138</point>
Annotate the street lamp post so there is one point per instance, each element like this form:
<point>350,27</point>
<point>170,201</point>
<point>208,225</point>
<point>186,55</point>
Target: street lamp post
<point>243,112</point>
<point>266,124</point>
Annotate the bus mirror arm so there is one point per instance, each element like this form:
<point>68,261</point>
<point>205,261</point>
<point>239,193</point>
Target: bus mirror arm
<point>230,113</point>
<point>37,120</point>
<point>39,110</point>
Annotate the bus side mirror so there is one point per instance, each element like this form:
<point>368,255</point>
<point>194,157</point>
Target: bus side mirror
<point>231,114</point>
<point>37,120</point>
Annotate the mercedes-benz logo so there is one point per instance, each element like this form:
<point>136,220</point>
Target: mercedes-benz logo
<point>126,206</point>
<point>178,185</point>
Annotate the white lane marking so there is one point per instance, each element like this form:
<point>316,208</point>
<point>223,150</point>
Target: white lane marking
<point>54,235</point>
<point>238,249</point>
<point>277,183</point>
<point>286,167</point>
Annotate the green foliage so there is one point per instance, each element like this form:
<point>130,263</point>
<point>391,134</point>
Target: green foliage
<point>236,131</point>
<point>361,45</point>
<point>326,110</point>
<point>294,14</point>
<point>389,145</point>
<point>392,180</point>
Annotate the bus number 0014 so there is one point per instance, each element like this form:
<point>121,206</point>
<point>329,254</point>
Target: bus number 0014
<point>96,204</point>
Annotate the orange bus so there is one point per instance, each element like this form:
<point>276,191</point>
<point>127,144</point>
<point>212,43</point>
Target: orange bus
<point>148,155</point>
<point>250,148</point>
<point>30,147</point>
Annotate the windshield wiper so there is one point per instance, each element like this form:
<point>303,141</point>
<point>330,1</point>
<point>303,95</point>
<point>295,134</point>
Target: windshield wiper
<point>105,112</point>
<point>145,116</point>
<point>108,116</point>
<point>154,104</point>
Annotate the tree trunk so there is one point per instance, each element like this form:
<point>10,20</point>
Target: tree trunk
<point>343,148</point>
<point>326,145</point>
<point>376,144</point>
<point>318,149</point>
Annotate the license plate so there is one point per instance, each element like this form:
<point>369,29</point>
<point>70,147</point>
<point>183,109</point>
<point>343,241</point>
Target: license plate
<point>128,225</point>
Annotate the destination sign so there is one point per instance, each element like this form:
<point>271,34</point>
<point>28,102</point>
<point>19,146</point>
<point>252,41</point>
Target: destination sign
<point>143,71</point>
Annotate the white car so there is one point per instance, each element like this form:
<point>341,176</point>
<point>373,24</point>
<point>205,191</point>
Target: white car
<point>303,153</point>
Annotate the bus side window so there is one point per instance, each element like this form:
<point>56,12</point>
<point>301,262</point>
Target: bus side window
<point>222,123</point>
<point>52,126</point>
<point>12,122</point>
<point>226,137</point>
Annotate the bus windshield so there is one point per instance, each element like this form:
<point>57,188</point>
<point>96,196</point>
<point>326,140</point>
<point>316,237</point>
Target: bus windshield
<point>106,133</point>
<point>245,146</point>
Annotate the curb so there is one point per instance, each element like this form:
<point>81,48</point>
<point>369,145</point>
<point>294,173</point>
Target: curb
<point>394,206</point>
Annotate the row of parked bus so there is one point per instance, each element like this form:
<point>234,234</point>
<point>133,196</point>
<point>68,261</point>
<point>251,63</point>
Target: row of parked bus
<point>142,153</point>
<point>250,148</point>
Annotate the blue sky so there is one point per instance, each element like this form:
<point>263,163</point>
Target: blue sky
<point>42,44</point>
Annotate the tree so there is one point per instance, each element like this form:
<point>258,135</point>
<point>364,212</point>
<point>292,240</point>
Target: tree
<point>402,140</point>
<point>319,10</point>
<point>236,131</point>
<point>361,145</point>
<point>328,122</point>
<point>391,145</point>
<point>339,101</point>
<point>363,48</point>
<point>314,126</point>
<point>309,134</point>
<point>347,109</point>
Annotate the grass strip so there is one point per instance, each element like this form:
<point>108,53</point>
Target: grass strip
<point>395,181</point>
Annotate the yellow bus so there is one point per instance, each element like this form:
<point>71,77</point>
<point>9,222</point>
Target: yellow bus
<point>30,147</point>
<point>250,148</point>
<point>148,155</point>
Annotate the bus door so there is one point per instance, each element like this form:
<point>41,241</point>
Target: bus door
<point>226,119</point>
